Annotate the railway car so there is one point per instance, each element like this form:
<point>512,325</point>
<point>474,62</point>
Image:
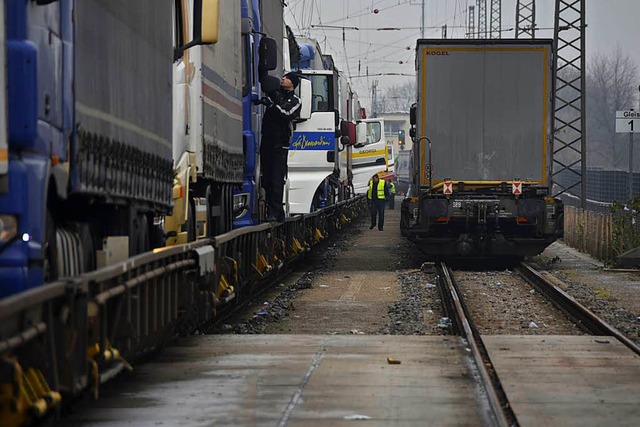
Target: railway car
<point>481,157</point>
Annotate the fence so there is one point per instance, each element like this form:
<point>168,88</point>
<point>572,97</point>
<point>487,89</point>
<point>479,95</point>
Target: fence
<point>602,235</point>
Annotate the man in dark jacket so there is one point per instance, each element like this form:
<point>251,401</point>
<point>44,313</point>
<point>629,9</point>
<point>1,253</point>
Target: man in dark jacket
<point>283,106</point>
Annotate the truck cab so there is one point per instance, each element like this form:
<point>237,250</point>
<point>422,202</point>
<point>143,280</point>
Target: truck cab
<point>369,153</point>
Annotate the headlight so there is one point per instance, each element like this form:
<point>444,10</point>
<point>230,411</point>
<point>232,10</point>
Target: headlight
<point>8,227</point>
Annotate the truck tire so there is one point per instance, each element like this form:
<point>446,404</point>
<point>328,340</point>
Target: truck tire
<point>50,270</point>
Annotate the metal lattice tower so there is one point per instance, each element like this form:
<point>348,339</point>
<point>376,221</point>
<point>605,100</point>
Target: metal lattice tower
<point>471,23</point>
<point>496,19</point>
<point>482,19</point>
<point>526,18</point>
<point>568,125</point>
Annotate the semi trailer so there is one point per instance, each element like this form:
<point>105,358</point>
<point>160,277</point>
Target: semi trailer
<point>481,156</point>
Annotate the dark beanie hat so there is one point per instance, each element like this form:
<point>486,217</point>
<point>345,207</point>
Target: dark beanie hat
<point>295,79</point>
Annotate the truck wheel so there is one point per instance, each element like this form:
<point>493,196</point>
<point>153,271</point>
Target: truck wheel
<point>223,223</point>
<point>50,249</point>
<point>215,222</point>
<point>227,202</point>
<point>191,221</point>
<point>157,237</point>
<point>142,235</point>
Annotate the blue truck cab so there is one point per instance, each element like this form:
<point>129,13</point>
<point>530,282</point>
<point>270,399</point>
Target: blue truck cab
<point>39,65</point>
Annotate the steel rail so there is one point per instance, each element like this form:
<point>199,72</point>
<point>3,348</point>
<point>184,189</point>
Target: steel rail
<point>583,317</point>
<point>475,343</point>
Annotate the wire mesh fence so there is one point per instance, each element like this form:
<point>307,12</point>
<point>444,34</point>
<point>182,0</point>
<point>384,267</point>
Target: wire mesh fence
<point>609,224</point>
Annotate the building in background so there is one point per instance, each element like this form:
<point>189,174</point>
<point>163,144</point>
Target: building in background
<point>396,130</point>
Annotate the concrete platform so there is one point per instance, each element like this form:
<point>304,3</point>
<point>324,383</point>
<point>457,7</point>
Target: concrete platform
<point>580,381</point>
<point>301,380</point>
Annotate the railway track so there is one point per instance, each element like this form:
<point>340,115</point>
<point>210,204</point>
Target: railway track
<point>328,360</point>
<point>502,411</point>
<point>455,308</point>
<point>582,316</point>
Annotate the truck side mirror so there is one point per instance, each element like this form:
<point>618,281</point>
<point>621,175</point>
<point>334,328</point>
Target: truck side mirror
<point>305,99</point>
<point>208,21</point>
<point>268,54</point>
<point>344,127</point>
<point>361,135</point>
<point>412,115</point>
<point>205,25</point>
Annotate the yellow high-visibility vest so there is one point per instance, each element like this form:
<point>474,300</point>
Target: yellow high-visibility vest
<point>380,190</point>
<point>392,187</point>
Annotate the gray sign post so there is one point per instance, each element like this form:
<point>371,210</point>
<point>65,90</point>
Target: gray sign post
<point>628,122</point>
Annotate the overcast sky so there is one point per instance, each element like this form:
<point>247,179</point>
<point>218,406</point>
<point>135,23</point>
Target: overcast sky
<point>610,22</point>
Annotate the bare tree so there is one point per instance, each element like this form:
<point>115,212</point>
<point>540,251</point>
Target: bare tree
<point>397,99</point>
<point>612,82</point>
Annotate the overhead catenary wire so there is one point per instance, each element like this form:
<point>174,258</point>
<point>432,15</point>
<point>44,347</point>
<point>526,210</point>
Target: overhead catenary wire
<point>362,55</point>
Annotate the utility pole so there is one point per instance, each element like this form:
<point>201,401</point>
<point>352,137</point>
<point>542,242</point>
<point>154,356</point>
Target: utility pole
<point>496,19</point>
<point>422,21</point>
<point>482,19</point>
<point>374,98</point>
<point>526,18</point>
<point>568,122</point>
<point>471,23</point>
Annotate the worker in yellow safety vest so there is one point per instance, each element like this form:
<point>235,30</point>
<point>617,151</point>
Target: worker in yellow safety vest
<point>377,196</point>
<point>392,195</point>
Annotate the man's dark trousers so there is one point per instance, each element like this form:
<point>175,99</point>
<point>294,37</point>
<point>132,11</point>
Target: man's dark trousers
<point>377,210</point>
<point>273,161</point>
